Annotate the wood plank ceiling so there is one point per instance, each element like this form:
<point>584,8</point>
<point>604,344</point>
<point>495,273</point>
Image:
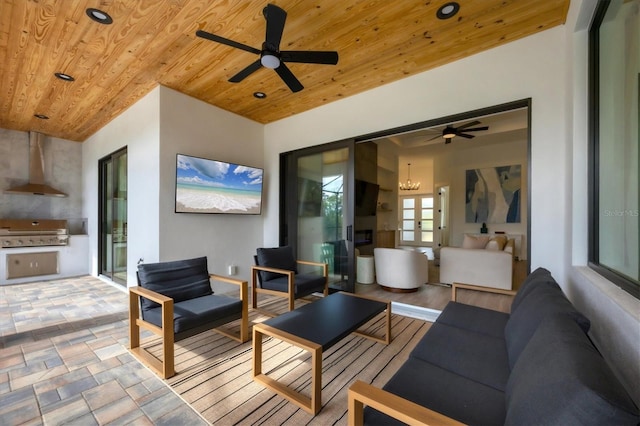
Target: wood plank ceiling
<point>154,42</point>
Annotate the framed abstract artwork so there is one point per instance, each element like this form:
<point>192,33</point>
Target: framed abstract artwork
<point>493,194</point>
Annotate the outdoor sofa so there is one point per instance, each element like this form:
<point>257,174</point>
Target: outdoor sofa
<point>535,365</point>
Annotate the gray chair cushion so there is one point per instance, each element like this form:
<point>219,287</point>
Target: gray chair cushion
<point>276,257</point>
<point>474,318</point>
<point>561,379</point>
<point>445,392</point>
<point>304,284</point>
<point>479,357</point>
<point>179,280</point>
<point>210,311</point>
<point>542,301</point>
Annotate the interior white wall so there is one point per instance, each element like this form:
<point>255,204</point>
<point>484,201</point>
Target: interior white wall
<point>192,127</point>
<point>137,129</point>
<point>528,68</point>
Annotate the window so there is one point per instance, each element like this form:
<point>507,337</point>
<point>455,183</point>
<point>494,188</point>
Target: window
<point>614,61</point>
<point>417,220</point>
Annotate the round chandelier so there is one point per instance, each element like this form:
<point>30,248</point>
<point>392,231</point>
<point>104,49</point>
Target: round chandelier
<point>408,185</point>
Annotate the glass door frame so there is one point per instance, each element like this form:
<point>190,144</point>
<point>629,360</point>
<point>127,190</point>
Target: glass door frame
<point>288,220</point>
<point>104,183</point>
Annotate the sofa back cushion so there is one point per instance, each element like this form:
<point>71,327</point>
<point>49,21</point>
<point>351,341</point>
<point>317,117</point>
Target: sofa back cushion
<point>560,378</point>
<point>179,280</point>
<point>540,301</point>
<point>539,277</point>
<point>276,257</point>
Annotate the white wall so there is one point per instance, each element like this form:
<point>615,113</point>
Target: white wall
<point>192,127</point>
<point>528,68</point>
<point>137,129</point>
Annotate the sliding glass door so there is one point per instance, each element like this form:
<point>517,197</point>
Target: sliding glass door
<point>318,218</point>
<point>112,251</point>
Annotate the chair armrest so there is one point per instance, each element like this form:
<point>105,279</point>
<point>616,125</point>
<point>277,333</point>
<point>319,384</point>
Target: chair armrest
<point>456,286</point>
<point>150,294</point>
<point>244,286</point>
<point>324,266</point>
<point>361,393</point>
<point>274,270</point>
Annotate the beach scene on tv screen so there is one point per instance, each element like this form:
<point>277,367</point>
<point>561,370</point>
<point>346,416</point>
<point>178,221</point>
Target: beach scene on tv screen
<point>208,186</point>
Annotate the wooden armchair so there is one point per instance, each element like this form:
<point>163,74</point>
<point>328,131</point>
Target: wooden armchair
<point>276,274</point>
<point>177,302</point>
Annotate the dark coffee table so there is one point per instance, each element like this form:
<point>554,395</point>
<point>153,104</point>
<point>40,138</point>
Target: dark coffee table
<point>316,327</point>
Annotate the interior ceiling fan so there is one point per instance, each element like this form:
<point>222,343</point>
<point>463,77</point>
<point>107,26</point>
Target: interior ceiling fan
<point>450,132</point>
<point>270,55</point>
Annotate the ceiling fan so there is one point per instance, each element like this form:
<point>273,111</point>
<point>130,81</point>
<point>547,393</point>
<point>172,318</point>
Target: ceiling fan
<point>270,55</point>
<point>450,132</point>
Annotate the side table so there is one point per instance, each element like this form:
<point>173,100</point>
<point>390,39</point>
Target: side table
<point>365,269</point>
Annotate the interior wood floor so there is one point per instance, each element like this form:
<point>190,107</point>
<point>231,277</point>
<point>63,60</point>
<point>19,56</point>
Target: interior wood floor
<point>435,296</point>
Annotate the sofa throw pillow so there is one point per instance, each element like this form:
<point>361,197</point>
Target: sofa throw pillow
<point>496,243</point>
<point>541,302</point>
<point>560,378</point>
<point>475,242</point>
<point>276,257</point>
<point>179,280</point>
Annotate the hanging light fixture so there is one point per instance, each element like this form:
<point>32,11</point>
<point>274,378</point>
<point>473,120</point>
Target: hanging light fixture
<point>408,185</point>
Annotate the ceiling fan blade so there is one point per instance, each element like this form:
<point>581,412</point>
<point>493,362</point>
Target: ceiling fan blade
<point>469,124</point>
<point>439,135</point>
<point>276,18</point>
<point>226,41</point>
<point>285,74</point>
<point>477,129</point>
<point>310,57</point>
<point>464,135</point>
<point>246,72</point>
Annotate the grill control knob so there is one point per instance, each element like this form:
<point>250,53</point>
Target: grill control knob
<point>19,242</point>
<point>6,243</point>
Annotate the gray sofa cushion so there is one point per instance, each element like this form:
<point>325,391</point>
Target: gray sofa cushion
<point>561,379</point>
<point>474,318</point>
<point>539,277</point>
<point>179,280</point>
<point>479,357</point>
<point>207,310</point>
<point>276,257</point>
<point>540,302</point>
<point>445,392</point>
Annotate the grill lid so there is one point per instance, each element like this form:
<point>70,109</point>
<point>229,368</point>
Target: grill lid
<point>28,226</point>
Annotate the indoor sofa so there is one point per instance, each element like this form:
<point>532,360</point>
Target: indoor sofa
<point>477,366</point>
<point>486,264</point>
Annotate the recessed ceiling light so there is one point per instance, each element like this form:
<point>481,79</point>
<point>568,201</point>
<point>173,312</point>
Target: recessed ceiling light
<point>65,77</point>
<point>259,95</point>
<point>448,10</point>
<point>99,16</point>
<point>41,116</point>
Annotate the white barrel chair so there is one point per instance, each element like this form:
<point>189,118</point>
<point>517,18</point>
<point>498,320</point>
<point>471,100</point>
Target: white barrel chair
<point>400,270</point>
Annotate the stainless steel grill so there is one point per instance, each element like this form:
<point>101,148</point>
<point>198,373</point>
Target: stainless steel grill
<point>33,233</point>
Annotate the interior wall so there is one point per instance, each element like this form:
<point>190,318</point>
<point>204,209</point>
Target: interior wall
<point>450,167</point>
<point>192,127</point>
<point>527,68</point>
<point>137,129</point>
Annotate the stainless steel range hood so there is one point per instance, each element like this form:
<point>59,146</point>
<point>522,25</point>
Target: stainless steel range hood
<point>36,185</point>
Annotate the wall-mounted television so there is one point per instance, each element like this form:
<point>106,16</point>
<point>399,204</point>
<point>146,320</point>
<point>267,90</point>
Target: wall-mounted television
<point>366,198</point>
<point>210,186</point>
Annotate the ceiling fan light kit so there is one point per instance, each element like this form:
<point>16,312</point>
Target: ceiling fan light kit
<point>450,132</point>
<point>270,55</point>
